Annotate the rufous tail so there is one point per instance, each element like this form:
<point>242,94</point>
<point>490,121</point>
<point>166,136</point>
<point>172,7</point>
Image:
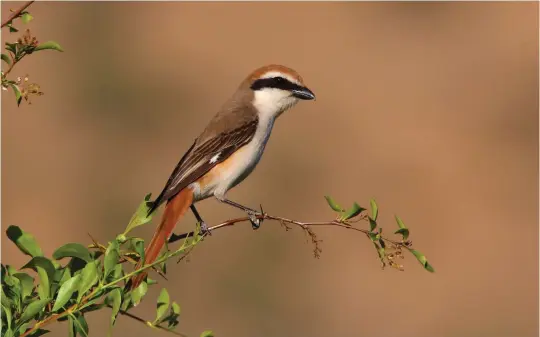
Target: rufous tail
<point>174,210</point>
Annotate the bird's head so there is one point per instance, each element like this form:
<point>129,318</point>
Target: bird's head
<point>277,88</point>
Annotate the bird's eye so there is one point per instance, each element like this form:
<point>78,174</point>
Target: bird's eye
<point>280,79</point>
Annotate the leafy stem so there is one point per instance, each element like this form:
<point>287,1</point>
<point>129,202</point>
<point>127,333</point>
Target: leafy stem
<point>16,13</point>
<point>16,51</point>
<point>86,301</point>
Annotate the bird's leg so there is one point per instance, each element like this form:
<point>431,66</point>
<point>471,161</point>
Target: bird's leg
<point>253,214</point>
<point>204,226</point>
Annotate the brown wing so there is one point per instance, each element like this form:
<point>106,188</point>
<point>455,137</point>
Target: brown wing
<point>196,162</point>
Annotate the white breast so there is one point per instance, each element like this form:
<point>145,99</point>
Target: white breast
<point>239,165</point>
<point>245,159</point>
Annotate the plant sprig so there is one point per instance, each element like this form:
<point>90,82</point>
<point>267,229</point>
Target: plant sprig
<point>23,46</point>
<point>77,280</point>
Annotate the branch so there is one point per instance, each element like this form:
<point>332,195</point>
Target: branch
<point>148,323</point>
<point>303,225</point>
<point>282,220</point>
<point>16,13</point>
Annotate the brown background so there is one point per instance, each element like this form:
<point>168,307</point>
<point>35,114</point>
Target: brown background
<point>431,108</point>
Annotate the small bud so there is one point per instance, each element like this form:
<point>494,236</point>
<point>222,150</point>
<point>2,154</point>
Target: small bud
<point>121,238</point>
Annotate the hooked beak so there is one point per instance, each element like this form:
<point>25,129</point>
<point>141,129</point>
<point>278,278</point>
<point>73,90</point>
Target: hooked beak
<point>303,93</point>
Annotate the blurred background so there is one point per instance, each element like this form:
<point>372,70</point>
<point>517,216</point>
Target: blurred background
<point>431,108</point>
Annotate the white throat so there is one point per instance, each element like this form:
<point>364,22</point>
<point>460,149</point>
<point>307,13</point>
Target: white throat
<point>270,103</point>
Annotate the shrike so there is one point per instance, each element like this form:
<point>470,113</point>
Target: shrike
<point>227,151</point>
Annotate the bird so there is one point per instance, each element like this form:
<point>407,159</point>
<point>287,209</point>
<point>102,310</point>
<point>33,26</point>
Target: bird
<point>226,151</point>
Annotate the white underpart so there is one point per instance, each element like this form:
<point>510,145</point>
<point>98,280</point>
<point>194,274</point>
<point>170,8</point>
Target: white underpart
<point>245,160</point>
<point>270,103</point>
<point>214,158</point>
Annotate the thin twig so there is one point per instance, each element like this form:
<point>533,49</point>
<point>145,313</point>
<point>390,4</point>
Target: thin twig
<point>282,220</point>
<point>148,323</point>
<point>16,13</point>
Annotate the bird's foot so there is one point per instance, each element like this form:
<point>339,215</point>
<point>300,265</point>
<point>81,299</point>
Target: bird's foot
<point>205,229</point>
<point>255,217</point>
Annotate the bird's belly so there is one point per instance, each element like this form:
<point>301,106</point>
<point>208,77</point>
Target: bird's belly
<point>232,170</point>
<point>236,168</point>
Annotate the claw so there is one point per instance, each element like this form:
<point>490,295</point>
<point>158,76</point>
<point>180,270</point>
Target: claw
<point>204,229</point>
<point>253,218</point>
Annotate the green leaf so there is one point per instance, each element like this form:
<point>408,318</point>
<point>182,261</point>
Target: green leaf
<point>33,309</point>
<point>22,328</point>
<point>207,333</point>
<point>38,332</point>
<point>400,222</point>
<point>12,47</point>
<point>423,260</point>
<point>118,271</point>
<point>162,304</point>
<point>372,224</point>
<point>6,59</point>
<point>403,230</point>
<point>6,302</point>
<point>332,203</point>
<point>81,326</point>
<point>17,92</point>
<point>13,292</point>
<point>89,277</point>
<point>138,293</point>
<point>404,233</point>
<point>6,312</point>
<point>26,17</point>
<point>126,302</point>
<point>354,211</point>
<point>115,298</point>
<point>66,291</point>
<point>374,237</point>
<point>49,45</point>
<point>374,209</point>
<point>27,284</point>
<point>73,250</point>
<point>110,260</point>
<point>12,29</point>
<point>45,270</point>
<point>137,245</point>
<point>24,241</point>
<point>71,327</point>
<point>92,307</point>
<point>175,308</point>
<point>140,217</point>
<point>172,317</point>
<point>66,275</point>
